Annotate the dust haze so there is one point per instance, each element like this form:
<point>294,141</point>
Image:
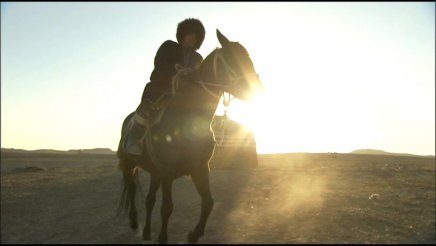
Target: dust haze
<point>289,198</point>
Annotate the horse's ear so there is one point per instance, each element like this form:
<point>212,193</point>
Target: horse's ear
<point>221,38</point>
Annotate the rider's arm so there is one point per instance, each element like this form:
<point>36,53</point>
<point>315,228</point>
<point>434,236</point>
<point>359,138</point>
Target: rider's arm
<point>167,55</point>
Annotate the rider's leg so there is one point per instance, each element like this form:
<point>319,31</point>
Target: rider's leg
<point>140,123</point>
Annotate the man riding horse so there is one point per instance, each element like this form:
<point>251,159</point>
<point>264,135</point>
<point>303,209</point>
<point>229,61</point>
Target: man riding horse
<point>170,56</point>
<point>183,142</point>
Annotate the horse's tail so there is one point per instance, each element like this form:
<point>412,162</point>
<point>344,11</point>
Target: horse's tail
<point>130,184</point>
<point>130,179</point>
<point>129,169</point>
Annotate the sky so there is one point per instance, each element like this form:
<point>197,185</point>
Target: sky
<point>338,76</point>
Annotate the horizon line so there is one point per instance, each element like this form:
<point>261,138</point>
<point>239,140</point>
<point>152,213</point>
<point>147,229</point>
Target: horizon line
<point>268,153</point>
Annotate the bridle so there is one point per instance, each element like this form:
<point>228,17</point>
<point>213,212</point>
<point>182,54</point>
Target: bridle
<point>234,78</point>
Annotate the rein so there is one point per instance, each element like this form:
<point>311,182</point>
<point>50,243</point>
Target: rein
<point>234,78</point>
<point>181,70</point>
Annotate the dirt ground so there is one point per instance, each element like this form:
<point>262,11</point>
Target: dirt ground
<point>294,198</point>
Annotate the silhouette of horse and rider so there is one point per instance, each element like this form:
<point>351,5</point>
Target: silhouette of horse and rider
<point>178,139</point>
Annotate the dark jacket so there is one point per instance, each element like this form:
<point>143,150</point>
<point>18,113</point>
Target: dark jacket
<point>169,54</point>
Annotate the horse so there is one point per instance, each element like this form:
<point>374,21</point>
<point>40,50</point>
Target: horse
<point>183,142</point>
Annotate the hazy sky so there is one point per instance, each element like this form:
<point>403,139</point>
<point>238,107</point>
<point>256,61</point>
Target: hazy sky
<point>337,76</point>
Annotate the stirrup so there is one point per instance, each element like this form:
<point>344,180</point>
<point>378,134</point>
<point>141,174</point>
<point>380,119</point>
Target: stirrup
<point>135,138</point>
<point>134,149</point>
<point>141,120</point>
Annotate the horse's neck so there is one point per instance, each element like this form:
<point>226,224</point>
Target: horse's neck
<point>208,97</point>
<point>191,101</point>
<point>206,70</point>
<point>196,100</point>
<point>208,101</point>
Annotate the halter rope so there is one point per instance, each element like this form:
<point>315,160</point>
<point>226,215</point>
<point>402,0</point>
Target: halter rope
<point>205,85</point>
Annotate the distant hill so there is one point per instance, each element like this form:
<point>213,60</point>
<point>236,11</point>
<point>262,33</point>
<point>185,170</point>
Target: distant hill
<point>104,151</point>
<point>51,151</point>
<point>93,151</point>
<point>378,152</point>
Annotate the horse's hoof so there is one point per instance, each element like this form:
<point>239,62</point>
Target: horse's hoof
<point>146,236</point>
<point>192,238</point>
<point>134,225</point>
<point>162,240</point>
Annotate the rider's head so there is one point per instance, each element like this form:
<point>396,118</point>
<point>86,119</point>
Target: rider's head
<point>190,33</point>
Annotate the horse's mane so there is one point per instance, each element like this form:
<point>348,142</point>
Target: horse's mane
<point>204,70</point>
<point>235,50</point>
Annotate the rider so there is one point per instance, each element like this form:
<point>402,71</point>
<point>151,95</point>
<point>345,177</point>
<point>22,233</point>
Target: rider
<point>190,35</point>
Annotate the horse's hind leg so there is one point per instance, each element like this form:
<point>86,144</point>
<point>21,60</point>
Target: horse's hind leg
<point>151,199</point>
<point>201,181</point>
<point>167,207</point>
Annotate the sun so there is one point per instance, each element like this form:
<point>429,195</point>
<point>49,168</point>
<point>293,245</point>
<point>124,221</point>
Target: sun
<point>251,115</point>
<point>280,124</point>
<point>262,116</point>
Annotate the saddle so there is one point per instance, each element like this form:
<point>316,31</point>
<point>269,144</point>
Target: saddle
<point>158,109</point>
<point>135,132</point>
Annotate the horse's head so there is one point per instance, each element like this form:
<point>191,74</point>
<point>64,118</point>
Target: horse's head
<point>234,68</point>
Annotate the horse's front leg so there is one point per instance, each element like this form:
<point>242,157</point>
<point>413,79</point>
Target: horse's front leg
<point>167,208</point>
<point>131,176</point>
<point>151,199</point>
<point>133,213</point>
<point>201,181</point>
